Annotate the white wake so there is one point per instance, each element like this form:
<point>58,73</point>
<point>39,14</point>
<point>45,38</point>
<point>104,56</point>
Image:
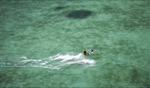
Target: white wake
<point>57,61</point>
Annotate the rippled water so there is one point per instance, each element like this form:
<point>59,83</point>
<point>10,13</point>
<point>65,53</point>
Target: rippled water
<point>42,43</point>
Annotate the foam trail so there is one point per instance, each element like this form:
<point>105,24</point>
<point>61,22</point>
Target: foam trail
<point>54,62</point>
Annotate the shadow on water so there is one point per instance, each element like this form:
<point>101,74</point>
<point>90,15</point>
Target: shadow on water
<point>59,8</point>
<point>79,14</point>
<point>5,77</point>
<point>134,76</point>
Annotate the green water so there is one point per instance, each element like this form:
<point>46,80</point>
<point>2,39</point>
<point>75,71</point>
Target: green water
<point>118,31</point>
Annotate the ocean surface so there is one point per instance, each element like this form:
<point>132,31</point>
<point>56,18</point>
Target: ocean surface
<point>42,43</point>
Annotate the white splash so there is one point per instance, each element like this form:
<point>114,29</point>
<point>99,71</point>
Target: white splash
<point>57,61</point>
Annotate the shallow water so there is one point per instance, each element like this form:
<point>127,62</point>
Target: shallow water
<point>41,44</point>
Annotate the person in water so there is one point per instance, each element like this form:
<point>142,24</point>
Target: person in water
<point>85,53</point>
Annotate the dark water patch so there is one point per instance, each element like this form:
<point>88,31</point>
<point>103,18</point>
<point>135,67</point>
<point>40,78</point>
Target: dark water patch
<point>145,77</point>
<point>146,83</point>
<point>79,14</point>
<point>139,77</point>
<point>134,73</point>
<point>6,78</point>
<point>59,8</point>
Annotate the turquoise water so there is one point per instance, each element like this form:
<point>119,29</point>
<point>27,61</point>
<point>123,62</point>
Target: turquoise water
<point>41,43</point>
